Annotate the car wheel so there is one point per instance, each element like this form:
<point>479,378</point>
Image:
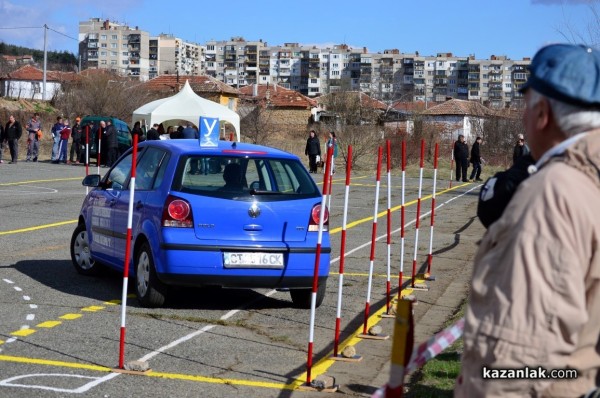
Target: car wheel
<point>149,290</point>
<point>80,252</point>
<point>302,297</point>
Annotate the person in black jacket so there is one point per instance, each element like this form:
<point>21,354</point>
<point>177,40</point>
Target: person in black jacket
<point>76,136</point>
<point>112,143</point>
<point>312,150</point>
<point>476,160</point>
<point>461,157</point>
<point>153,132</point>
<point>2,141</point>
<point>13,132</point>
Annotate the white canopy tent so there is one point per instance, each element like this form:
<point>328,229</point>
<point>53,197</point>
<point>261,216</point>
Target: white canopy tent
<point>185,105</point>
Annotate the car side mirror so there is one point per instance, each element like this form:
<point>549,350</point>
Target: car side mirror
<point>92,180</point>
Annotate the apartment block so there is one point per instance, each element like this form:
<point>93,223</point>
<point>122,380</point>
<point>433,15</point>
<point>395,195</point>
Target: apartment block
<point>387,76</point>
<point>129,51</point>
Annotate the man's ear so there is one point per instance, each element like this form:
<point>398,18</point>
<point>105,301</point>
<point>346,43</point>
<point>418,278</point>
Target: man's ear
<point>542,114</point>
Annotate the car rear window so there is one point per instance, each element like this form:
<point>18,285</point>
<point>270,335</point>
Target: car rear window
<point>242,178</point>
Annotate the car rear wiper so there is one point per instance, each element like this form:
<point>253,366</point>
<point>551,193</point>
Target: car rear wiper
<point>262,192</point>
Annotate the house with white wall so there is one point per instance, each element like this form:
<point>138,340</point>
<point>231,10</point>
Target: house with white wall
<point>27,82</point>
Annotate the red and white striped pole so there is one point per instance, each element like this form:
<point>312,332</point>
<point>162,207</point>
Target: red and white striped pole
<point>451,164</point>
<point>99,146</point>
<point>373,241</point>
<point>338,318</point>
<point>388,285</point>
<point>402,220</point>
<point>127,252</point>
<point>429,256</point>
<point>417,222</point>
<point>313,299</point>
<point>87,154</point>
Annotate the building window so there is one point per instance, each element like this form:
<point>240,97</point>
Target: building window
<point>125,53</point>
<point>113,45</point>
<point>314,81</point>
<point>102,37</point>
<point>113,53</point>
<point>335,73</point>
<point>210,48</point>
<point>103,45</point>
<point>103,62</point>
<point>114,37</point>
<point>520,76</point>
<point>103,53</point>
<point>125,62</point>
<point>507,85</point>
<point>125,37</point>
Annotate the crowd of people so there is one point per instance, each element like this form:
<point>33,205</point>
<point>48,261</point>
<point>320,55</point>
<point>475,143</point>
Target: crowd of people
<point>62,132</point>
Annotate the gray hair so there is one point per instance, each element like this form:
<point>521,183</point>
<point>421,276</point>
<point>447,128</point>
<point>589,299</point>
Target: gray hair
<point>571,119</point>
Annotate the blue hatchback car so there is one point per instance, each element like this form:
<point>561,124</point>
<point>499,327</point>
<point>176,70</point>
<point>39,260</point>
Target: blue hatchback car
<point>238,215</point>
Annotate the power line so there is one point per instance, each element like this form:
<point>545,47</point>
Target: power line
<point>60,33</point>
<point>40,27</point>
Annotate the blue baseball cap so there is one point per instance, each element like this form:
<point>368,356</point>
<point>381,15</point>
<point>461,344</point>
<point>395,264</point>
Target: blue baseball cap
<point>568,73</point>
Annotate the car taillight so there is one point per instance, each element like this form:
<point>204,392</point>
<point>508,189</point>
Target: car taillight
<point>177,213</point>
<point>313,223</point>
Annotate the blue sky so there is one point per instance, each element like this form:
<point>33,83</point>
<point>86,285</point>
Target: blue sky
<point>515,28</point>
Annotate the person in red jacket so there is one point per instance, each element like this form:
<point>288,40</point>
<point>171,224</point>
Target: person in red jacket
<point>65,134</point>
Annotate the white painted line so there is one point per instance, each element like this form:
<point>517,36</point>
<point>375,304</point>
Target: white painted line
<point>10,382</point>
<point>26,298</point>
<point>8,281</point>
<point>30,317</point>
<point>33,306</point>
<point>17,288</point>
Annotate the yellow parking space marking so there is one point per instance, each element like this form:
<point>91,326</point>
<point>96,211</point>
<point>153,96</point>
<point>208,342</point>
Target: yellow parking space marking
<point>92,308</point>
<point>70,317</point>
<point>30,229</point>
<point>48,362</point>
<point>6,184</point>
<point>214,380</point>
<point>48,324</point>
<point>23,332</point>
<point>1,342</point>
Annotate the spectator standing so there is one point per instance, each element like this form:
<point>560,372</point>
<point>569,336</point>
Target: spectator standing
<point>476,160</point>
<point>65,133</point>
<point>332,143</point>
<point>190,132</point>
<point>535,291</point>
<point>312,150</point>
<point>461,157</point>
<point>58,126</point>
<point>520,149</point>
<point>137,130</point>
<point>76,137</point>
<point>13,131</point>
<point>2,142</point>
<point>33,144</point>
<point>112,143</point>
<point>153,132</point>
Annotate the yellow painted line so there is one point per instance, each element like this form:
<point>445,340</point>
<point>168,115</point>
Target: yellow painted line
<point>39,361</point>
<point>393,209</point>
<point>70,317</point>
<point>23,332</point>
<point>214,380</point>
<point>92,308</point>
<point>113,302</point>
<point>48,324</point>
<point>366,275</point>
<point>6,184</point>
<point>30,229</point>
<point>1,342</point>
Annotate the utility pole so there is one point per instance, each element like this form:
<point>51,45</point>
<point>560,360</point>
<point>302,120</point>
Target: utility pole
<point>45,62</point>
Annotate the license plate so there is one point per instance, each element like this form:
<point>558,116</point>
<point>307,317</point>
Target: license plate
<point>253,260</point>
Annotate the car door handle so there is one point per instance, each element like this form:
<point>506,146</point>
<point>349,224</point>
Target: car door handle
<point>139,205</point>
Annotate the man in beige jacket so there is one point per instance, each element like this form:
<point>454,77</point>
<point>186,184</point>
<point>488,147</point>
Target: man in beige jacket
<point>535,301</point>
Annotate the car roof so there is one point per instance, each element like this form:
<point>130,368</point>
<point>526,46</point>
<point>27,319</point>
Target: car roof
<point>224,148</point>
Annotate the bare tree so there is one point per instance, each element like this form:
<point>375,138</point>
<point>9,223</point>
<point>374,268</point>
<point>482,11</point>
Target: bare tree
<point>256,120</point>
<point>356,119</point>
<point>583,32</point>
<point>101,94</point>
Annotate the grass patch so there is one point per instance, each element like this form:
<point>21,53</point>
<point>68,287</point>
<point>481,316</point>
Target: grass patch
<point>437,377</point>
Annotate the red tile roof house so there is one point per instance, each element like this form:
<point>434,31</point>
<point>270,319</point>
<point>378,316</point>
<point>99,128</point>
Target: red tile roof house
<point>455,117</point>
<point>27,82</point>
<point>272,112</point>
<point>205,86</point>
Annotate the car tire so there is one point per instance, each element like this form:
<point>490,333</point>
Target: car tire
<point>302,297</point>
<point>149,290</point>
<point>80,252</point>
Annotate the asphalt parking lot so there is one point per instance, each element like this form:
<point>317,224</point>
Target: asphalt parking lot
<point>59,331</point>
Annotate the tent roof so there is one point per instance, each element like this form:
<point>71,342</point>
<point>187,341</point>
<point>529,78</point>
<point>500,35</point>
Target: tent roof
<point>185,105</point>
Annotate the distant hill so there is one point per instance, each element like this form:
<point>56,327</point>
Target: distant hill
<point>63,60</point>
